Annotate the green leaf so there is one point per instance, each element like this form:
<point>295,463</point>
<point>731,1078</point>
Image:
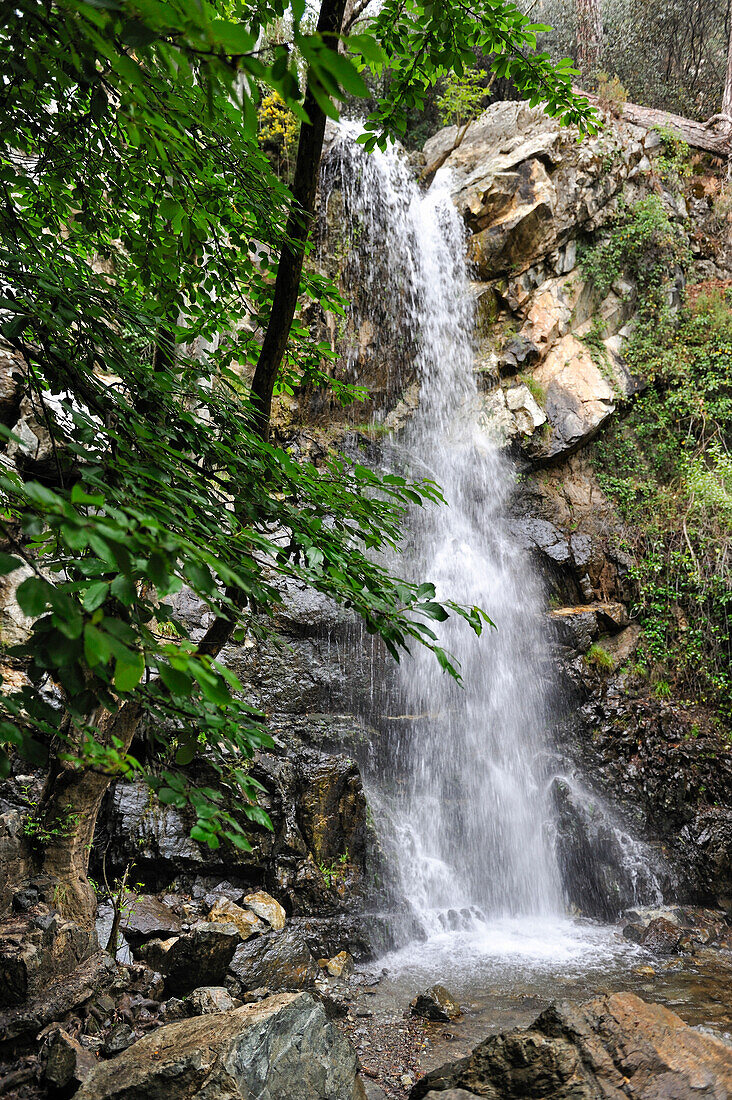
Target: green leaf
<point>8,564</point>
<point>95,595</point>
<point>33,596</point>
<point>127,674</point>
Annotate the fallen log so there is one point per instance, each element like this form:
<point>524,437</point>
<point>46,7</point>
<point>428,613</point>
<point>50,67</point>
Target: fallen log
<point>715,138</point>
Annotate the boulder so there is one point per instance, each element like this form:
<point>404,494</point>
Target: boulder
<point>583,388</point>
<point>617,1047</point>
<point>66,1061</point>
<point>195,958</point>
<point>267,908</point>
<point>145,918</point>
<point>340,965</point>
<point>245,920</point>
<point>435,1004</point>
<point>278,960</point>
<point>209,998</point>
<point>662,937</point>
<point>283,1048</point>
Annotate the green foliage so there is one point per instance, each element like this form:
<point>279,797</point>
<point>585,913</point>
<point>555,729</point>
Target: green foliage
<point>599,657</point>
<point>421,42</point>
<point>140,225</point>
<point>674,164</point>
<point>462,98</point>
<point>668,468</point>
<point>334,872</point>
<point>643,245</point>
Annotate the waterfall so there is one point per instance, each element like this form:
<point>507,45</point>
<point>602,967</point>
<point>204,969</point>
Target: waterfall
<point>463,788</point>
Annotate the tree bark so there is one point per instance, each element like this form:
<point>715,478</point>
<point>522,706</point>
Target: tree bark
<point>289,270</point>
<point>589,36</point>
<point>69,807</point>
<point>700,135</point>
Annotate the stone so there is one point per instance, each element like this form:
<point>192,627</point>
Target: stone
<point>66,1061</point>
<point>37,947</point>
<point>209,998</point>
<point>145,918</point>
<point>618,1047</point>
<point>527,413</point>
<point>195,958</point>
<point>278,960</point>
<point>435,1004</point>
<point>662,937</point>
<point>267,908</point>
<point>340,965</point>
<point>120,1037</point>
<point>245,920</point>
<point>283,1048</point>
<point>582,392</point>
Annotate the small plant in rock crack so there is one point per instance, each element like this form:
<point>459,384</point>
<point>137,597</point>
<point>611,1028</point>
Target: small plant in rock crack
<point>41,832</point>
<point>334,872</point>
<point>599,657</point>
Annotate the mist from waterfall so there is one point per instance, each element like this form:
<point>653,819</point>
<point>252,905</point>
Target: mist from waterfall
<point>463,790</point>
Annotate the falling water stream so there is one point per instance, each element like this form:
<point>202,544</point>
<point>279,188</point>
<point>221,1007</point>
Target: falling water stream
<point>461,797</point>
<point>471,815</point>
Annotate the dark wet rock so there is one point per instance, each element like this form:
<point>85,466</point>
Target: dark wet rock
<point>145,918</point>
<point>278,960</point>
<point>195,958</point>
<point>37,947</point>
<point>662,937</point>
<point>435,1004</point>
<point>57,998</point>
<point>281,1049</point>
<point>603,869</point>
<point>67,1063</point>
<point>668,769</point>
<point>615,1047</point>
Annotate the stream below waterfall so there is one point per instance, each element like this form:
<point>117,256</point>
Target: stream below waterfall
<point>460,784</point>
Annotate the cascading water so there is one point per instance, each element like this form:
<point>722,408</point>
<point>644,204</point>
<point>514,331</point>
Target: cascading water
<point>470,815</point>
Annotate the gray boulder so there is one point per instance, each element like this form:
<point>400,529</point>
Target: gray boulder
<point>278,960</point>
<point>283,1048</point>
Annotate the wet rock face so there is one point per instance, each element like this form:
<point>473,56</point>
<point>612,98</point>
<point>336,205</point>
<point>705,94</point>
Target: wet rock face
<point>667,767</point>
<point>278,960</point>
<point>196,958</point>
<point>616,1046</point>
<point>282,1048</point>
<point>602,868</point>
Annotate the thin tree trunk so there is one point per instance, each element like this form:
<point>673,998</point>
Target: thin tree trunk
<point>727,96</point>
<point>69,807</point>
<point>589,36</point>
<point>289,270</point>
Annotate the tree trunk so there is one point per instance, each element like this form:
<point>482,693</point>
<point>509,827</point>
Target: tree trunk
<point>289,270</point>
<point>589,36</point>
<point>727,95</point>
<point>69,807</point>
